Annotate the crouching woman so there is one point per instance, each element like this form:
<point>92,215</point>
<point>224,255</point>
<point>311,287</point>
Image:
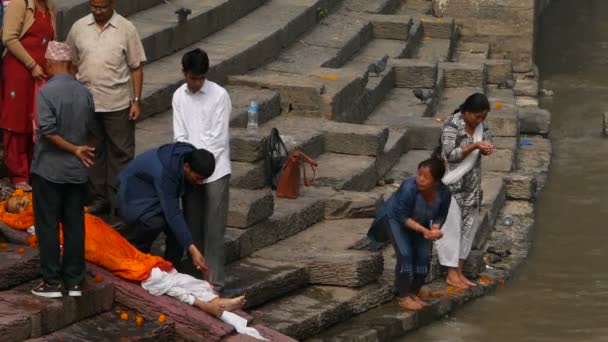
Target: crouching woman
<point>412,219</point>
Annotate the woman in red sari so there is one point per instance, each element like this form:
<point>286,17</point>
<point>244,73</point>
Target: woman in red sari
<point>28,27</point>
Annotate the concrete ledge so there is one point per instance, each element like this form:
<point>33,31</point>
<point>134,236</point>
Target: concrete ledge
<point>459,75</point>
<point>410,73</point>
<point>352,269</point>
<point>248,207</point>
<point>439,28</point>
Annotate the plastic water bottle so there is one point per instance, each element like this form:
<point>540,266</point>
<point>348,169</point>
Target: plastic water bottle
<point>507,220</point>
<point>252,116</point>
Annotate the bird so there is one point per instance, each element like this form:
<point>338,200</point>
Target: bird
<point>379,66</point>
<point>506,84</point>
<point>182,14</point>
<point>423,94</point>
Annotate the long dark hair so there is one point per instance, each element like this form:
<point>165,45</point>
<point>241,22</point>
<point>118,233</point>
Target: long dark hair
<point>475,103</point>
<point>436,166</point>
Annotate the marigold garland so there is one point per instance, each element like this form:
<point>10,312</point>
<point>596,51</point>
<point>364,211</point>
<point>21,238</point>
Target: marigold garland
<point>19,221</point>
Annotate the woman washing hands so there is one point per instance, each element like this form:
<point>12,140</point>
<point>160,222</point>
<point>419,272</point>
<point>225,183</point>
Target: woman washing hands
<point>412,220</point>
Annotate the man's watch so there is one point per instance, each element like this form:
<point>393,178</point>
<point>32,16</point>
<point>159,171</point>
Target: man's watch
<point>135,100</point>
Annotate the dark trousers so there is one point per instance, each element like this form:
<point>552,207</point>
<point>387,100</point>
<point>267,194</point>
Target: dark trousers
<point>144,235</point>
<point>114,149</point>
<point>53,204</point>
<point>206,208</point>
<point>413,253</point>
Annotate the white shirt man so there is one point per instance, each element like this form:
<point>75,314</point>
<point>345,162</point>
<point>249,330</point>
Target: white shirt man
<point>201,117</point>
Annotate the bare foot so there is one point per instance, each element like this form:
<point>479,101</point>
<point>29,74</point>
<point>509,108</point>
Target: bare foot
<point>408,303</point>
<point>454,280</point>
<point>420,301</point>
<point>232,304</point>
<point>466,281</point>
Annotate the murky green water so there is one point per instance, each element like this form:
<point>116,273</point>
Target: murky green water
<point>561,294</point>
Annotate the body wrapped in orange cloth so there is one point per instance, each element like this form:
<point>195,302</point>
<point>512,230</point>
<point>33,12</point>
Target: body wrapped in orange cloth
<point>105,247</point>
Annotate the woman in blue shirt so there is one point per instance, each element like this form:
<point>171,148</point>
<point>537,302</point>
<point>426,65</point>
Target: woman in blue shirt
<point>412,219</point>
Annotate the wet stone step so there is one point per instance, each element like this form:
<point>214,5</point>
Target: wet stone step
<point>110,326</point>
<point>248,207</point>
<point>23,315</point>
<point>263,280</point>
<point>325,249</point>
<point>18,264</point>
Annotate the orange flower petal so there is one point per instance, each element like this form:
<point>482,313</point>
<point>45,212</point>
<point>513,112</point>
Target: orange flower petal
<point>501,281</point>
<point>498,105</point>
<point>162,318</point>
<point>124,316</point>
<point>3,246</point>
<point>329,77</point>
<point>139,321</point>
<point>98,278</point>
<point>21,250</point>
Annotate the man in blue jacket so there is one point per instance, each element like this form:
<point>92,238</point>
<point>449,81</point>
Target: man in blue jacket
<point>150,192</point>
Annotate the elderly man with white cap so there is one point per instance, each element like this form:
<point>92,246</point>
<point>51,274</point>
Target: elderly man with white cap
<point>59,170</point>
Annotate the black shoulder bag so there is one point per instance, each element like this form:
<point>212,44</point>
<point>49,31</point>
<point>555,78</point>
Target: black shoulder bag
<point>276,157</point>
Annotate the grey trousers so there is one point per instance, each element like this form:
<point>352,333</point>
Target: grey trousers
<point>206,208</point>
<point>115,148</point>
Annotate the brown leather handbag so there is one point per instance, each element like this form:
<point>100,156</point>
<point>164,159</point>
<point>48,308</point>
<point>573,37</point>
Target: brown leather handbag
<point>289,183</point>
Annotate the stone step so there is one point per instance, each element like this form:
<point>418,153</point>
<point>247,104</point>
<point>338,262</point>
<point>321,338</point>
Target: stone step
<point>471,52</point>
<point>18,264</point>
<point>373,7</point>
<point>435,49</point>
<point>396,146</point>
<point>110,327</point>
<point>263,280</point>
<point>534,157</point>
<point>408,165</point>
<point>157,130</point>
<point>399,105</point>
<point>462,75</point>
<point>413,73</point>
<point>325,250</point>
<point>24,315</point>
<point>498,70</point>
<point>452,98</point>
<point>416,7</point>
<point>346,172</point>
<point>319,307</point>
<point>388,322</point>
<point>161,34</point>
<point>248,207</point>
<point>392,27</point>
<point>69,11</point>
<point>282,23</point>
<point>290,216</point>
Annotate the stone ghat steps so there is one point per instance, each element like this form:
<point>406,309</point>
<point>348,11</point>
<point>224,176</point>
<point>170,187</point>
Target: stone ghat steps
<point>245,44</point>
<point>415,7</point>
<point>25,316</point>
<point>110,327</point>
<point>69,11</point>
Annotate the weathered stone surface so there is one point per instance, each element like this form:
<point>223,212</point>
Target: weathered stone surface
<point>408,165</point>
<point>391,26</point>
<point>520,186</point>
<point>324,248</point>
<point>394,148</point>
<point>190,322</point>
<point>500,161</point>
<point>352,205</point>
<point>320,307</point>
<point>263,280</point>
<point>605,124</point>
<point>410,73</point>
<point>503,124</point>
<point>247,147</point>
<point>248,176</point>
<point>414,40</point>
<point>438,28</point>
<point>26,316</point>
<point>17,268</point>
<point>493,189</point>
<point>474,264</point>
<point>299,133</point>
<point>109,327</point>
<point>469,52</point>
<point>498,70</point>
<point>534,120</point>
<point>458,75</point>
<point>435,50</point>
<point>354,139</point>
<point>526,101</point>
<point>526,88</point>
<point>346,172</point>
<point>248,207</point>
<point>269,103</point>
<point>289,218</point>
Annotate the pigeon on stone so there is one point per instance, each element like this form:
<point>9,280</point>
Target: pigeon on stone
<point>423,94</point>
<point>378,67</point>
<point>506,84</point>
<point>182,15</point>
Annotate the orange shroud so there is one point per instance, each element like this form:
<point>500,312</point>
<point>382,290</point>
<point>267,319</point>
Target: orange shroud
<point>103,245</point>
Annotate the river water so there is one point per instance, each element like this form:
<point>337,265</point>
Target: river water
<point>561,294</point>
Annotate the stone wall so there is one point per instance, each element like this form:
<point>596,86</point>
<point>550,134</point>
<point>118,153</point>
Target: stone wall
<point>507,25</point>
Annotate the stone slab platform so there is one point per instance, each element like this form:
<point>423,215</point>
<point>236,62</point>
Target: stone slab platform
<point>346,172</point>
<point>18,267</point>
<point>248,207</point>
<point>23,315</point>
<point>110,327</point>
<point>324,249</point>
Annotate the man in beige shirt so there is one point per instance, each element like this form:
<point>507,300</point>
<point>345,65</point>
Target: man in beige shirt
<point>109,56</point>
